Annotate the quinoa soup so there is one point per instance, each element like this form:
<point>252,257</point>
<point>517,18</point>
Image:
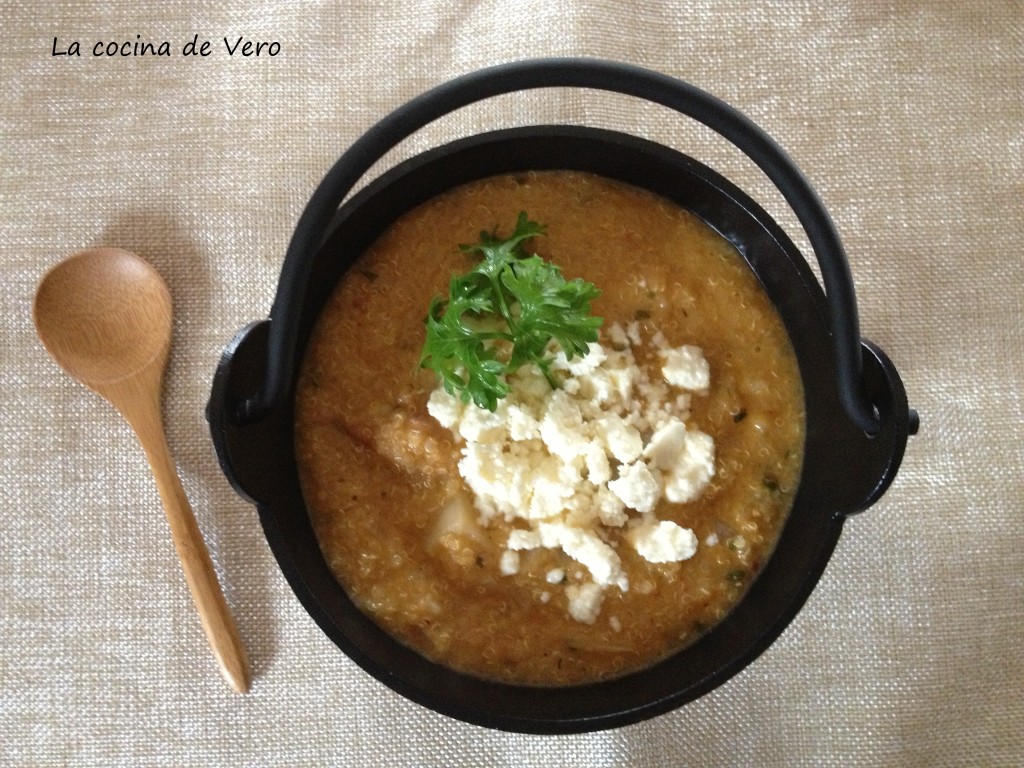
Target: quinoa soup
<point>538,550</point>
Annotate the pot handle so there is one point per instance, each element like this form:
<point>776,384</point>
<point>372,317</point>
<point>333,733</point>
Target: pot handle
<point>580,73</point>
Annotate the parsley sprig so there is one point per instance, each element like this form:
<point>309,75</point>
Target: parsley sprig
<point>503,314</point>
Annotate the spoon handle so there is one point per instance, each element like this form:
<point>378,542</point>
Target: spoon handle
<point>142,411</point>
<point>218,623</point>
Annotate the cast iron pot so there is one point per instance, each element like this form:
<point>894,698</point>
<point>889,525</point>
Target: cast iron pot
<point>857,415</point>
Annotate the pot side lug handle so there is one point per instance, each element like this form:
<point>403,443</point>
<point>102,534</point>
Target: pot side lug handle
<point>239,373</point>
<point>883,452</point>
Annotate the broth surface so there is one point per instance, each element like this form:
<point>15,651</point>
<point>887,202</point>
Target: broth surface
<point>380,475</point>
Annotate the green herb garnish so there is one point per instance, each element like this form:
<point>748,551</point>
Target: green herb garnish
<point>503,314</point>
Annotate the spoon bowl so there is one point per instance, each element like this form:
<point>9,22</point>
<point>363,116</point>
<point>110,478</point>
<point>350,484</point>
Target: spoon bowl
<point>105,317</point>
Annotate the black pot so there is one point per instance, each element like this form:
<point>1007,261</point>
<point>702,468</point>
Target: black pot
<point>857,415</point>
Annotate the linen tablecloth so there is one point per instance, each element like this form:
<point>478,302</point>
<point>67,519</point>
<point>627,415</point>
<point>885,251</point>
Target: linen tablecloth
<point>908,117</point>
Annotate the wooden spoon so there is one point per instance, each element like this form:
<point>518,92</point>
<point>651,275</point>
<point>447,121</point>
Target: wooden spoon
<point>105,316</point>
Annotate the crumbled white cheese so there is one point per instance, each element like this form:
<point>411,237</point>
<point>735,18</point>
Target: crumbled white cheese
<point>666,444</point>
<point>617,336</point>
<point>623,440</point>
<point>598,467</point>
<point>585,601</point>
<point>567,465</point>
<point>662,541</point>
<point>478,425</point>
<point>562,428</point>
<point>686,368</point>
<point>447,410</point>
<point>586,548</point>
<point>522,425</point>
<point>611,510</point>
<point>521,539</point>
<point>637,486</point>
<point>582,545</point>
<point>509,564</point>
<point>696,466</point>
<point>686,458</point>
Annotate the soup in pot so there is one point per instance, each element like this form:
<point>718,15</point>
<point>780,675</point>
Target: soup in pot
<point>603,509</point>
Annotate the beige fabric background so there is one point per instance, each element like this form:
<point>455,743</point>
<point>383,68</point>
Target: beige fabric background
<point>909,118</point>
